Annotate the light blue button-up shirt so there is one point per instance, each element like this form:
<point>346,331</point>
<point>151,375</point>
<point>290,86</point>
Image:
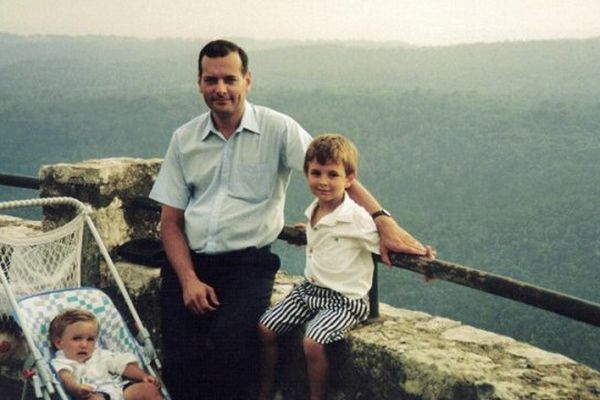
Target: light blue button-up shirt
<point>232,191</point>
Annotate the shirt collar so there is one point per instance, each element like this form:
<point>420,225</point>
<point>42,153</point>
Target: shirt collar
<point>248,123</point>
<point>343,212</point>
<point>60,353</point>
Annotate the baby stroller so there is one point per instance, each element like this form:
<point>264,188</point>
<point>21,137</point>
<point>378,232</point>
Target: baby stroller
<point>41,276</point>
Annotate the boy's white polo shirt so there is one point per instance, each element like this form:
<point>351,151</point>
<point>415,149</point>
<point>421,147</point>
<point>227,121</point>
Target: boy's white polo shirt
<point>339,249</point>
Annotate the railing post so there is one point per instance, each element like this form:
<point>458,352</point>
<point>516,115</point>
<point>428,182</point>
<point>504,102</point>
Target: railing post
<point>374,292</point>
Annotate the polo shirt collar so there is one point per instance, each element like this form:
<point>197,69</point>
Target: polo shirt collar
<point>248,123</point>
<point>343,212</point>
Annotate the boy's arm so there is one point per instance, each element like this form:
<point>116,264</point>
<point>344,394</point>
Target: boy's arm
<point>392,237</point>
<point>77,390</point>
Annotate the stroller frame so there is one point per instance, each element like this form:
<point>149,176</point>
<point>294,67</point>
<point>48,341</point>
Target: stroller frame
<point>45,384</point>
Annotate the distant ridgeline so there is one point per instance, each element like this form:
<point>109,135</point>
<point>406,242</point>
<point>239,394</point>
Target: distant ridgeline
<point>489,151</point>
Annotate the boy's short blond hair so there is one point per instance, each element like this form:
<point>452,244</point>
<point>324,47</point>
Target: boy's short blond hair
<point>66,318</point>
<point>332,147</point>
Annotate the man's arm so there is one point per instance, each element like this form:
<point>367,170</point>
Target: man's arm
<point>198,297</point>
<point>392,237</point>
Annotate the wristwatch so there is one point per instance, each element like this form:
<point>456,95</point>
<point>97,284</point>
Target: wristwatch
<point>380,213</point>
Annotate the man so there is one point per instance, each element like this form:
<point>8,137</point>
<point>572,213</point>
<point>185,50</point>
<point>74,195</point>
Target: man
<point>222,189</point>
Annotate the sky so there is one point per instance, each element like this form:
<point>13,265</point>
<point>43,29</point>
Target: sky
<point>418,22</point>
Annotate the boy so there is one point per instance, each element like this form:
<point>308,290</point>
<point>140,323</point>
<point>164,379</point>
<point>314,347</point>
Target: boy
<point>341,236</point>
<point>89,372</point>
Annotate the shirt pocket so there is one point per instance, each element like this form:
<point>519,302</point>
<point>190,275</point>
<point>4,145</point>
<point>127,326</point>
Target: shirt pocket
<point>251,182</point>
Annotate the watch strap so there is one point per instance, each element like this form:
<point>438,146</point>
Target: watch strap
<point>381,212</point>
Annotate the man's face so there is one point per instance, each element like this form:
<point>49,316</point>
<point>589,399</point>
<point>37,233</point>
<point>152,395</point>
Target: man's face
<point>223,85</point>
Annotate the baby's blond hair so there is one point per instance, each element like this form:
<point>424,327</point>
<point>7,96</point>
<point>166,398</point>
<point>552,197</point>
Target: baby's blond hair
<point>66,318</point>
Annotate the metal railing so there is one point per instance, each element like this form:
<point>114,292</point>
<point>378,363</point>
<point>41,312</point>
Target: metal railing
<point>22,181</point>
<point>549,300</point>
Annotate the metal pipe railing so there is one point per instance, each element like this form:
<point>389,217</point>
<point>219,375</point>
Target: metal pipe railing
<point>546,299</point>
<point>22,181</point>
<point>549,300</point>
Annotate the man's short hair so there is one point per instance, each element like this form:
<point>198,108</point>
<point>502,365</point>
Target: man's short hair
<point>66,318</point>
<point>332,147</point>
<point>222,48</point>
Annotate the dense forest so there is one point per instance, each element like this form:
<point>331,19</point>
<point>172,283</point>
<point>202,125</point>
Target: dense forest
<point>489,152</point>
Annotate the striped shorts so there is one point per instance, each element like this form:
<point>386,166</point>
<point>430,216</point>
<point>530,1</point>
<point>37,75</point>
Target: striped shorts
<point>330,315</point>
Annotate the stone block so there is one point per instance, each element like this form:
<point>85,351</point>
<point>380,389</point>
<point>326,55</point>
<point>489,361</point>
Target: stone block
<point>98,182</point>
<point>112,187</point>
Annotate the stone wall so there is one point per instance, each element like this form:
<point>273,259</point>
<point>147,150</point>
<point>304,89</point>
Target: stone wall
<point>410,355</point>
<point>111,187</point>
<point>400,355</point>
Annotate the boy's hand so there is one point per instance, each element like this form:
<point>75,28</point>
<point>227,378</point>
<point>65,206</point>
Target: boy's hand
<point>430,253</point>
<point>301,226</point>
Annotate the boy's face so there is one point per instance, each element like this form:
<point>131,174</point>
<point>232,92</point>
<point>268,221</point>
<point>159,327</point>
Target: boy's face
<point>328,182</point>
<point>78,341</point>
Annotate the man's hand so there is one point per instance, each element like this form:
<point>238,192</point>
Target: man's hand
<point>395,239</point>
<point>199,297</point>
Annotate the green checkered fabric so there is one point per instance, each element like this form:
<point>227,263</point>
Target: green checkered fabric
<point>38,311</point>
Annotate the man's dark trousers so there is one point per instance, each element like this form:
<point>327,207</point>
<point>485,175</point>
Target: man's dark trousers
<point>214,356</point>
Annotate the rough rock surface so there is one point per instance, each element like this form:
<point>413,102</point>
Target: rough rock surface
<point>413,355</point>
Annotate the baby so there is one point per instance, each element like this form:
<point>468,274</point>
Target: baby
<point>89,372</point>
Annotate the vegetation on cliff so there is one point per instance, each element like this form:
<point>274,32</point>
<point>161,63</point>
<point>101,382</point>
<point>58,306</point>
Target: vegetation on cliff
<point>489,152</point>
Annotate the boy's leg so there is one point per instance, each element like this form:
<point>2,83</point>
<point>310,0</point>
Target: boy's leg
<point>337,315</point>
<point>268,360</point>
<point>279,319</point>
<point>317,367</point>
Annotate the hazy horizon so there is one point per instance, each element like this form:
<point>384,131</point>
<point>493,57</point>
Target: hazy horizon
<point>414,22</point>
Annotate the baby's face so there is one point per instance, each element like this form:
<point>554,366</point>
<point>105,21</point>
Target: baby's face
<point>78,341</point>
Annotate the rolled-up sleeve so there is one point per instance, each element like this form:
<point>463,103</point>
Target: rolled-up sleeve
<point>60,364</point>
<point>297,141</point>
<point>170,187</point>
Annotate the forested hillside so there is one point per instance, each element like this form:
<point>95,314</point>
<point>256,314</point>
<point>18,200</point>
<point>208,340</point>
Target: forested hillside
<point>489,152</point>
